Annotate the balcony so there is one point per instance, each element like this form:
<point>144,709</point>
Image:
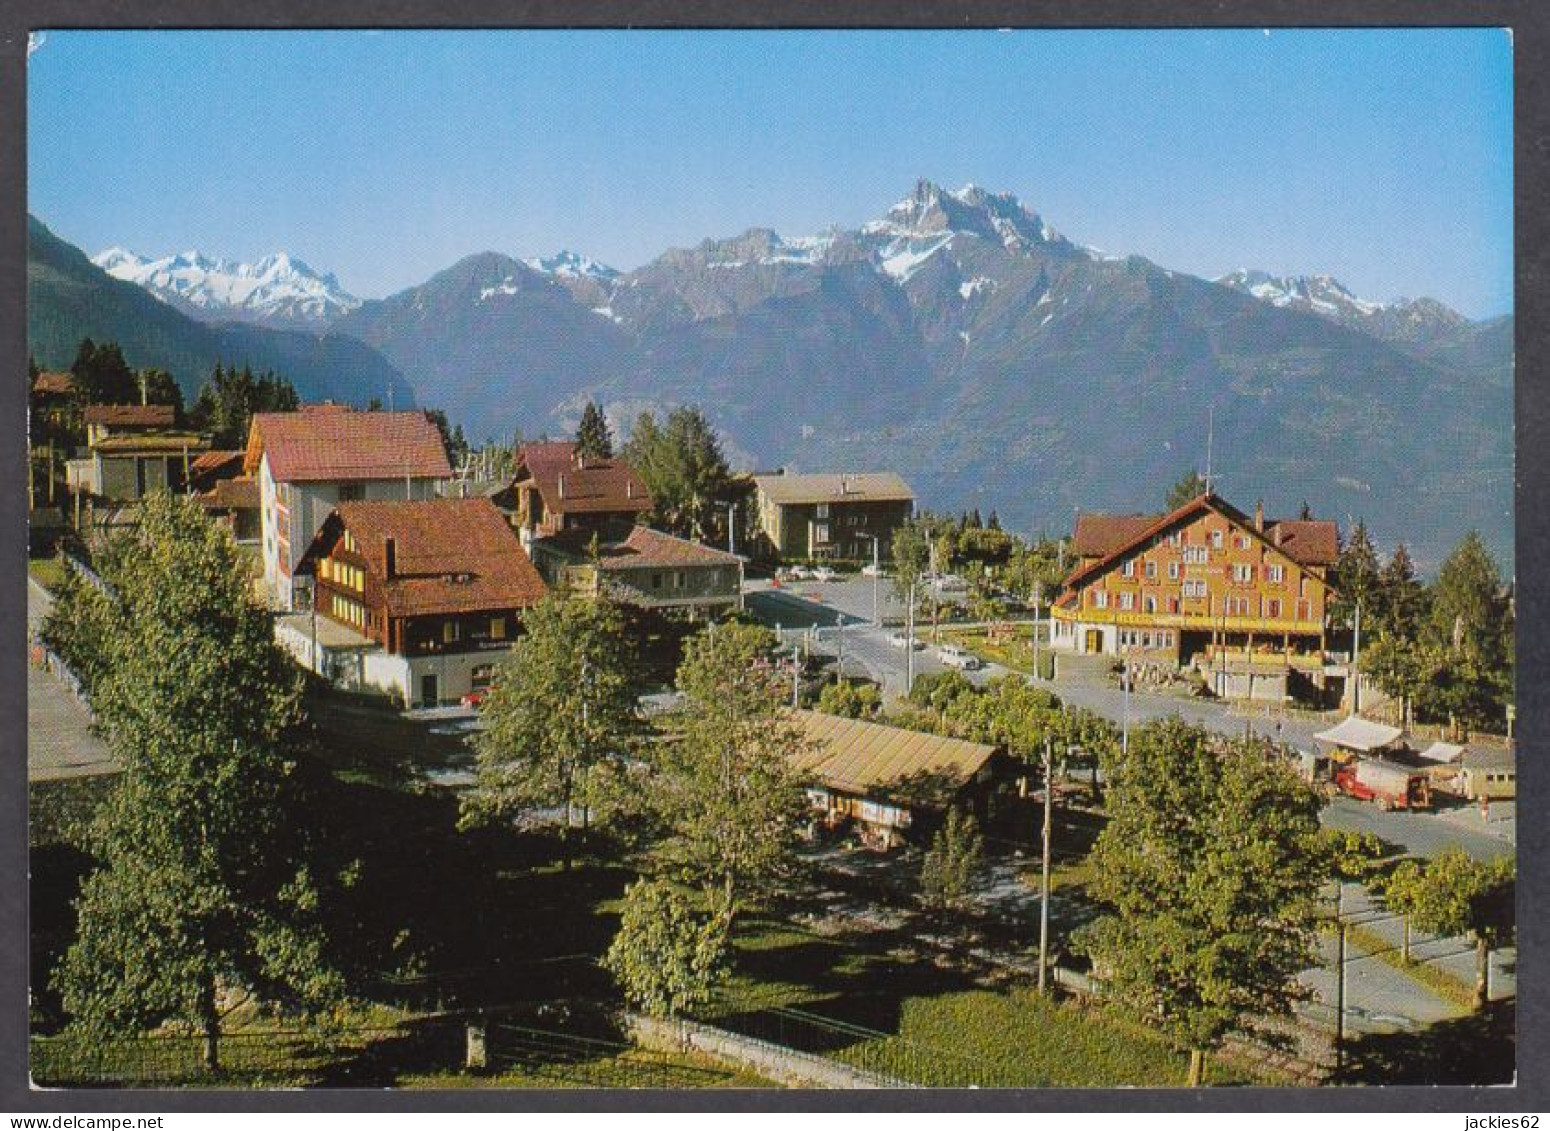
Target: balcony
<point>1193,622</point>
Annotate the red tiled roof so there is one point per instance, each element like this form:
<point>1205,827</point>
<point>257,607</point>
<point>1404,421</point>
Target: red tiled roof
<point>434,541</point>
<point>332,442</point>
<point>213,466</point>
<point>571,488</point>
<point>1098,535</point>
<point>1305,541</point>
<point>640,547</point>
<point>131,415</point>
<point>56,384</point>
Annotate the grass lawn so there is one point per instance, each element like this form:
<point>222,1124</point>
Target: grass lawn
<point>1014,651</point>
<point>872,1001</point>
<point>635,1068</point>
<point>47,572</point>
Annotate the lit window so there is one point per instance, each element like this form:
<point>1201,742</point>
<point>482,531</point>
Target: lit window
<point>449,632</point>
<point>497,628</point>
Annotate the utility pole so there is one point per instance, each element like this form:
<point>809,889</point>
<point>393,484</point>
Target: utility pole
<point>1124,740</point>
<point>1049,793</point>
<point>1339,978</point>
<point>909,643</point>
<point>1356,659</point>
<point>796,673</point>
<point>1038,595</point>
<point>877,572</point>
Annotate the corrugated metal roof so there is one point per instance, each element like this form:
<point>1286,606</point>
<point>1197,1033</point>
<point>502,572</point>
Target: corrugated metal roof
<point>859,757</point>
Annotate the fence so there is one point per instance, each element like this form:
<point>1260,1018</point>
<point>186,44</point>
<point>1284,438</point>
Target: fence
<point>775,1059</point>
<point>253,1059</point>
<point>42,656</point>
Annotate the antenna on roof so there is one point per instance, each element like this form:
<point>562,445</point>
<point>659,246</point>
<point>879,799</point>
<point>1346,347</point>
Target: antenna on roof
<point>1210,437</point>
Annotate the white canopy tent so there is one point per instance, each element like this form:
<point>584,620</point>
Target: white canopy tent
<point>1361,735</point>
<point>1442,752</point>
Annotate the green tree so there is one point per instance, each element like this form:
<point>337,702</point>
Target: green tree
<point>102,376</point>
<point>951,864</point>
<point>594,439</point>
<point>667,956</point>
<point>1403,892</point>
<point>561,711</point>
<point>1209,869</point>
<point>1469,609</point>
<point>207,892</point>
<point>1456,895</point>
<point>1403,601</point>
<point>77,626</point>
<point>850,700</point>
<point>1356,579</point>
<point>157,386</point>
<point>452,439</point>
<point>227,401</point>
<point>725,780</point>
<point>684,469</point>
<point>1190,486</point>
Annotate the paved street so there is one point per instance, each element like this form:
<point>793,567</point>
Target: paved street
<point>59,739</point>
<point>866,649</point>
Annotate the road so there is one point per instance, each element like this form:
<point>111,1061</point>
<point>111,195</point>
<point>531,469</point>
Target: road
<point>848,603</point>
<point>60,743</point>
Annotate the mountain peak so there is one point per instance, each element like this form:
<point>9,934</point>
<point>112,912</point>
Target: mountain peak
<point>930,210</point>
<point>571,264</point>
<point>278,288</point>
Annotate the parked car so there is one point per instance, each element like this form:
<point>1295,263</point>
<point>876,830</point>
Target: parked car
<point>798,573</point>
<point>960,658</point>
<point>824,573</point>
<point>870,570</point>
<point>901,640</point>
<point>952,583</point>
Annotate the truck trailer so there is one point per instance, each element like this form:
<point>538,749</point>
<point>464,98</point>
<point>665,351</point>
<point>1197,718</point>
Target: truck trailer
<point>1389,785</point>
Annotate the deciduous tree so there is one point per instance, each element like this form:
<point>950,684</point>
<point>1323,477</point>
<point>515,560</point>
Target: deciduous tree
<point>206,890</point>
<point>562,709</point>
<point>668,954</point>
<point>1209,868</point>
<point>951,864</point>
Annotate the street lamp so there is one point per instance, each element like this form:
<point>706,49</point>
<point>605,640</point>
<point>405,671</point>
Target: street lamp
<point>877,573</point>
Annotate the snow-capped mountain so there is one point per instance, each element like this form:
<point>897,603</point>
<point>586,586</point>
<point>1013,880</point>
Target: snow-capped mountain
<point>1417,323</point>
<point>278,290</point>
<point>960,336</point>
<point>569,264</point>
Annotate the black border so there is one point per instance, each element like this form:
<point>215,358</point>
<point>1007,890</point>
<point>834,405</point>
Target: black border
<point>1531,65</point>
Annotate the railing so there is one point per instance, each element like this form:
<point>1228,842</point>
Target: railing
<point>1200,622</point>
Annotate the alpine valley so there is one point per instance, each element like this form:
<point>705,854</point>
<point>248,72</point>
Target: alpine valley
<point>959,339</point>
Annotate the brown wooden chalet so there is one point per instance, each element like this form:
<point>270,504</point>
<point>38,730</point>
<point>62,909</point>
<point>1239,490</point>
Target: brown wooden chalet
<point>556,489</point>
<point>433,584</point>
<point>1203,585</point>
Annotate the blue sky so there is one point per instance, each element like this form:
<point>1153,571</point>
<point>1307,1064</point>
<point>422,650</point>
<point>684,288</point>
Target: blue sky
<point>1382,157</point>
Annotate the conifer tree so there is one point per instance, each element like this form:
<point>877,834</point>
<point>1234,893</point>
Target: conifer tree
<point>594,440</point>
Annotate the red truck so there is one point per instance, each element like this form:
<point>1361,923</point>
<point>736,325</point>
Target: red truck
<point>1390,786</point>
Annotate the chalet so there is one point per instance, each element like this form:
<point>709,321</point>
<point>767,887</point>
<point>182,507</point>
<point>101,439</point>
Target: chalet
<point>227,495</point>
<point>52,404</point>
<point>556,490</point>
<point>1487,773</point>
<point>307,462</point>
<point>645,568</point>
<point>414,599</point>
<point>832,515</point>
<point>1243,600</point>
<point>132,450</point>
<point>887,780</point>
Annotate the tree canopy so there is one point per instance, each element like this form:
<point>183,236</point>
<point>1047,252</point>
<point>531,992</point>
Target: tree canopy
<point>1189,486</point>
<point>594,439</point>
<point>206,891</point>
<point>1209,869</point>
<point>561,714</point>
<point>227,401</point>
<point>684,468</point>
